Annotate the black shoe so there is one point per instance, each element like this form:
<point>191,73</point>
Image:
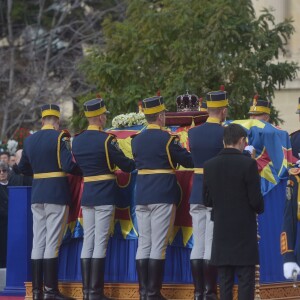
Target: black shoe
<point>55,295</point>
<point>85,274</point>
<point>51,281</point>
<point>210,281</point>
<point>96,291</point>
<point>142,272</point>
<point>198,278</point>
<point>156,269</point>
<point>37,279</point>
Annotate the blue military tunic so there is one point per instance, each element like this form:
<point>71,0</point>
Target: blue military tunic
<point>47,156</point>
<point>289,241</point>
<point>157,154</point>
<point>97,153</point>
<point>205,142</point>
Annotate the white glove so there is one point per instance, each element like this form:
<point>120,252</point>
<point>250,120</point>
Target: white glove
<point>289,268</point>
<point>249,148</point>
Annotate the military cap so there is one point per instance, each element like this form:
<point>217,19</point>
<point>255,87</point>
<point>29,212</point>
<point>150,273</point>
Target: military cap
<point>153,105</point>
<point>50,110</point>
<point>260,106</point>
<point>94,107</point>
<point>216,99</point>
<point>298,108</point>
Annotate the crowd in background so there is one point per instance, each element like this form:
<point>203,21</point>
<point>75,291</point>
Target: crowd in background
<point>9,176</point>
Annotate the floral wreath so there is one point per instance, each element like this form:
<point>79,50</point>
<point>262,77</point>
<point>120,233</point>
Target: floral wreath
<point>127,120</point>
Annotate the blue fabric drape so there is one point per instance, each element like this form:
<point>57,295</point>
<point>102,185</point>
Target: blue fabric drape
<point>120,262</point>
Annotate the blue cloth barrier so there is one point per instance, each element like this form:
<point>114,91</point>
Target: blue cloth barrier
<point>120,262</point>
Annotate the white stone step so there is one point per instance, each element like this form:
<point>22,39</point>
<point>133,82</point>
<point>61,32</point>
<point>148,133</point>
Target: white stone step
<point>2,279</point>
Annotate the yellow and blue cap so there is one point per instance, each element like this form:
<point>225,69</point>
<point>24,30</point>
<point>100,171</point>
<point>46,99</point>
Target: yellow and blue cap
<point>50,110</point>
<point>217,99</point>
<point>260,106</point>
<point>94,107</point>
<point>153,105</point>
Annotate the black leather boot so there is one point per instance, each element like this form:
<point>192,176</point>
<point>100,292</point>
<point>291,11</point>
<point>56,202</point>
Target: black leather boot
<point>97,279</point>
<point>51,291</point>
<point>142,272</point>
<point>85,274</point>
<point>210,281</point>
<point>155,277</point>
<point>37,279</point>
<point>198,278</point>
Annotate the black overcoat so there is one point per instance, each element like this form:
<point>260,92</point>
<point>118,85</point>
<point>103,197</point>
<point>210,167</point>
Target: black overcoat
<point>232,188</point>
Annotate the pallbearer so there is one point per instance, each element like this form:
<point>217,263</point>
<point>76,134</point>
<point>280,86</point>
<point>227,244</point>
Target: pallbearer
<point>97,153</point>
<point>205,141</point>
<point>47,155</point>
<point>157,154</point>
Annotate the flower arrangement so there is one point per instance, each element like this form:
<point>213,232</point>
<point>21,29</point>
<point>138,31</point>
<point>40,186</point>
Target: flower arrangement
<point>20,135</point>
<point>127,120</point>
<point>10,146</point>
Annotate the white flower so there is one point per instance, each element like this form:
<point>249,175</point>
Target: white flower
<point>127,120</point>
<point>12,146</point>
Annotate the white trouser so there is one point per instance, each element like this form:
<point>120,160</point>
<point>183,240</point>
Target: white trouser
<point>202,231</point>
<point>97,221</point>
<point>49,225</point>
<point>155,225</point>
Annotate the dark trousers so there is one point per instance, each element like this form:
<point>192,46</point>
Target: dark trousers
<point>246,282</point>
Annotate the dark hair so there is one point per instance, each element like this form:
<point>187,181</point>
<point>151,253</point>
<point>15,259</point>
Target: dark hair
<point>151,117</point>
<point>3,166</point>
<point>5,153</point>
<point>232,134</point>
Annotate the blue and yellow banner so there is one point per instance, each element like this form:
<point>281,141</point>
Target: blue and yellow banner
<point>273,156</point>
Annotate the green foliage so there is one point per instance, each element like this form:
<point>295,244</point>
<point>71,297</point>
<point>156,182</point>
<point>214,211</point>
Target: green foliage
<point>195,45</point>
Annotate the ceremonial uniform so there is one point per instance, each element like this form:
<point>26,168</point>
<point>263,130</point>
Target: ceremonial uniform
<point>97,153</point>
<point>46,155</point>
<point>157,154</point>
<point>289,242</point>
<point>205,141</point>
<point>260,109</point>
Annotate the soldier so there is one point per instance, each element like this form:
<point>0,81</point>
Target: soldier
<point>47,155</point>
<point>205,141</point>
<point>97,154</point>
<point>295,137</point>
<point>157,154</point>
<point>260,109</point>
<point>289,247</point>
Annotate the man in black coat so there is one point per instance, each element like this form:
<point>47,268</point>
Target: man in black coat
<point>232,188</point>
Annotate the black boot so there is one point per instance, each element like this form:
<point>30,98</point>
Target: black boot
<point>210,280</point>
<point>37,279</point>
<point>155,277</point>
<point>85,274</point>
<point>51,291</point>
<point>97,279</point>
<point>198,278</point>
<point>142,272</point>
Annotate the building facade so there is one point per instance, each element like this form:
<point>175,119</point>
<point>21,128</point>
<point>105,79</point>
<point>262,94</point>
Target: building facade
<point>286,98</point>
